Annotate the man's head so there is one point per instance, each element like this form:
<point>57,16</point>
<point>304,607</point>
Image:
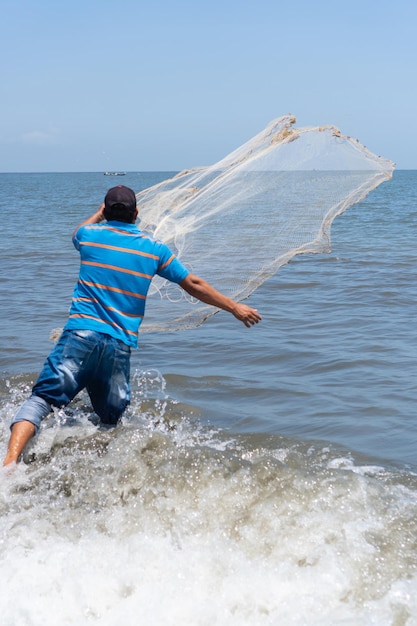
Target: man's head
<point>120,204</point>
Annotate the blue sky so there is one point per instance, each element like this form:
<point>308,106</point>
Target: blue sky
<point>166,85</point>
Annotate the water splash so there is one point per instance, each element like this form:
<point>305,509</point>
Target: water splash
<point>105,523</point>
<point>274,530</point>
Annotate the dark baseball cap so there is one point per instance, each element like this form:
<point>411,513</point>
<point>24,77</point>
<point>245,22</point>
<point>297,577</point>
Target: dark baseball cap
<point>120,195</point>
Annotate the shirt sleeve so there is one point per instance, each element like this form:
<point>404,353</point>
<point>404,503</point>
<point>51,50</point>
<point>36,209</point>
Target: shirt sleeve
<point>77,237</point>
<point>170,267</point>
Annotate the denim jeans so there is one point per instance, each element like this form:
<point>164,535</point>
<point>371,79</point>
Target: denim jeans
<point>82,359</point>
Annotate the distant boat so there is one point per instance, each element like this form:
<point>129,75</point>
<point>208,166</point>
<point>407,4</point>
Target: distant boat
<point>114,173</point>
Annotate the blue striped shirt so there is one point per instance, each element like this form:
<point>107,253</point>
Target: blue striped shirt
<point>118,262</point>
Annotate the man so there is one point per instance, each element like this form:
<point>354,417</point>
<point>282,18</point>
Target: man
<point>118,262</point>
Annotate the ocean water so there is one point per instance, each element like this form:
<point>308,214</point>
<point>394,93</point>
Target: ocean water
<point>263,476</point>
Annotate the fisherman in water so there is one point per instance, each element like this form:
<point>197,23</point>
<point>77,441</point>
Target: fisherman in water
<point>118,262</point>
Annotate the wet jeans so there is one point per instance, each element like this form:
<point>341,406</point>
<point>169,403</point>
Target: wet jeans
<point>82,359</point>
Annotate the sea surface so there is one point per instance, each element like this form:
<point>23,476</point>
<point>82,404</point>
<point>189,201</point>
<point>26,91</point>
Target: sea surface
<point>262,476</point>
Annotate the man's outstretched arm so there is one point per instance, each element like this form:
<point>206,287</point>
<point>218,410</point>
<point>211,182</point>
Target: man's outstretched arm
<point>202,290</point>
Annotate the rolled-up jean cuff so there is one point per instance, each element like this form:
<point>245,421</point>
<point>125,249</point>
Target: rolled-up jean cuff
<point>34,410</point>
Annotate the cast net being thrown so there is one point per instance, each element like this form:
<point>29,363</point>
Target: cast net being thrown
<point>236,222</point>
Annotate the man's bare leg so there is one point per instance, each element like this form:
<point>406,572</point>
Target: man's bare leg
<point>21,433</point>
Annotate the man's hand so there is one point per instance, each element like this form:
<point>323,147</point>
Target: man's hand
<point>246,314</point>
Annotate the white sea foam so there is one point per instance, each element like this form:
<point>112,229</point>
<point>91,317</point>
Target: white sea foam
<point>162,521</point>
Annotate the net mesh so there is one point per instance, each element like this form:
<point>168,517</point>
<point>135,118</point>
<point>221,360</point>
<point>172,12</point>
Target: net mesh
<point>236,222</point>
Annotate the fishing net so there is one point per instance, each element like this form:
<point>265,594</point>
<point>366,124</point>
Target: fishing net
<point>236,222</point>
